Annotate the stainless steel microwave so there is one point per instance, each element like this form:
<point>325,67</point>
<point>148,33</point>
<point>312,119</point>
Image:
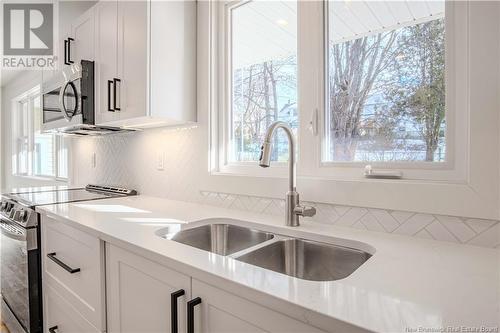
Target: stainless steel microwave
<point>69,103</point>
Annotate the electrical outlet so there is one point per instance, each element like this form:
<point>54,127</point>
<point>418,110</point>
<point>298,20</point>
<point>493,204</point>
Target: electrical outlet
<point>160,161</point>
<point>94,160</point>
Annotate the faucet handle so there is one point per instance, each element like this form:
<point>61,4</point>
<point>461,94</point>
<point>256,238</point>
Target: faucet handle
<point>305,211</point>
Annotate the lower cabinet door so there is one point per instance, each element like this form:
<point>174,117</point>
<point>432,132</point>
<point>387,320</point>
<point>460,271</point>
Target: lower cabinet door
<point>223,312</point>
<point>61,316</point>
<point>139,294</point>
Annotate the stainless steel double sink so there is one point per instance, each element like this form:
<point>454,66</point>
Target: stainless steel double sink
<point>296,257</point>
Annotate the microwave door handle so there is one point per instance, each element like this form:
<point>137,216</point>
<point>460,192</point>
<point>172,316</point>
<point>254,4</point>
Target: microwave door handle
<point>63,108</point>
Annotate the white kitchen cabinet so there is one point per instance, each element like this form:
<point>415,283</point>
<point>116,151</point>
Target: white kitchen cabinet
<point>139,293</point>
<point>61,316</point>
<point>223,312</point>
<point>81,47</point>
<point>73,266</point>
<point>132,59</point>
<point>146,63</point>
<point>106,43</point>
<point>121,61</point>
<point>139,297</point>
<point>173,61</point>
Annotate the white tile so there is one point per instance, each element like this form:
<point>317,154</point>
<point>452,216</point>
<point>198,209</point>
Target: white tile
<point>439,232</point>
<point>325,213</point>
<point>359,225</point>
<point>385,219</point>
<point>341,210</point>
<point>423,234</point>
<point>401,216</point>
<point>414,224</point>
<point>457,227</point>
<point>371,223</point>
<point>480,225</point>
<point>489,237</point>
<point>351,216</point>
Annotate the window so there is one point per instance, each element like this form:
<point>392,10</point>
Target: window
<point>385,81</point>
<point>36,153</point>
<point>359,82</point>
<point>263,76</point>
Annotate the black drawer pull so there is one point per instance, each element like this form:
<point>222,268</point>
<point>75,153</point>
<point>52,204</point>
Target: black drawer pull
<point>109,96</point>
<point>115,85</point>
<point>66,42</point>
<point>53,329</point>
<point>190,313</point>
<point>69,50</point>
<point>173,309</point>
<point>52,256</point>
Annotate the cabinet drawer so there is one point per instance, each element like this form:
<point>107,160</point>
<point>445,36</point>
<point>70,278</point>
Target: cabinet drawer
<point>73,265</point>
<point>60,313</point>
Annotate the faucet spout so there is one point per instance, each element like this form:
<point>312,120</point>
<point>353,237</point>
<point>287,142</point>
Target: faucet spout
<point>293,208</point>
<point>266,150</point>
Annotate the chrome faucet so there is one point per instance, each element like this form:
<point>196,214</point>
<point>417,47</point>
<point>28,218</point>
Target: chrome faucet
<point>293,208</point>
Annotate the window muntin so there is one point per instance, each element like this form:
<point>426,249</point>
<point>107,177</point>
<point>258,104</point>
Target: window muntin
<point>263,76</point>
<point>385,82</point>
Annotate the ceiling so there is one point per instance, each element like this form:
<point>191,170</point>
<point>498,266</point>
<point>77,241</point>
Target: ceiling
<point>263,30</point>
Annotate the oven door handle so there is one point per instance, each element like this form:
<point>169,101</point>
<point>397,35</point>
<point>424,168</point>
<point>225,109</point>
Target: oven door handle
<point>52,256</point>
<point>7,231</point>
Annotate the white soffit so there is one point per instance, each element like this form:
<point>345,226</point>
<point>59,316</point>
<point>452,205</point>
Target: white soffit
<point>263,29</point>
<point>358,18</point>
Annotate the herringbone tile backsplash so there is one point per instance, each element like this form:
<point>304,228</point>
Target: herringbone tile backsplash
<point>131,160</point>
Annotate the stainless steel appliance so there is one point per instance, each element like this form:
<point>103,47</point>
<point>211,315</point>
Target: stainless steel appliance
<point>21,286</point>
<point>68,102</point>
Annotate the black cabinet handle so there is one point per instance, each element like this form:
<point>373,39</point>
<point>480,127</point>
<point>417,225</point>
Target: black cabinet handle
<point>109,96</point>
<point>115,81</point>
<point>190,313</point>
<point>173,309</point>
<point>66,42</point>
<point>69,50</point>
<point>52,256</point>
<point>53,329</point>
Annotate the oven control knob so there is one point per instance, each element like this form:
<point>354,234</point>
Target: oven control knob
<point>4,206</point>
<point>23,215</point>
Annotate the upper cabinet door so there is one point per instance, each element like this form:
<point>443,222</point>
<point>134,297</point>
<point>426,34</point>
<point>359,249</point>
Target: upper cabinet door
<point>105,60</point>
<point>132,59</point>
<point>82,33</point>
<point>173,61</point>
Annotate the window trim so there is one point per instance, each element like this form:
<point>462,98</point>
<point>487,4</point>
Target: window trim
<point>477,196</point>
<point>312,17</point>
<point>451,170</point>
<point>29,97</point>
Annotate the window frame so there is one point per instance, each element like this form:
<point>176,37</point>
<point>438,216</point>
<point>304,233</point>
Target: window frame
<point>17,103</point>
<point>224,93</point>
<point>312,102</point>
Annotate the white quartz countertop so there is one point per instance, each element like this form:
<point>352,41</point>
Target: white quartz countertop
<point>408,284</point>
